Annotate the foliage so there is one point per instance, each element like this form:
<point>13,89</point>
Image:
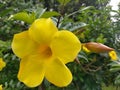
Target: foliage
<point>88,20</point>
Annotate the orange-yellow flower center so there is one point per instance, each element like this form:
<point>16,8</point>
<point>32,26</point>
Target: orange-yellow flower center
<point>45,51</point>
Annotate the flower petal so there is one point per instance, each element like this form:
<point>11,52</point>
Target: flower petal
<point>65,45</point>
<point>2,64</point>
<point>58,74</point>
<point>113,55</point>
<point>22,45</point>
<point>42,30</point>
<point>31,70</point>
<point>1,87</point>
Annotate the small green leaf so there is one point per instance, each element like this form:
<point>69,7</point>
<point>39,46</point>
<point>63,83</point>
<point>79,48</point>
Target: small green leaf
<point>24,16</point>
<point>63,2</point>
<point>50,14</point>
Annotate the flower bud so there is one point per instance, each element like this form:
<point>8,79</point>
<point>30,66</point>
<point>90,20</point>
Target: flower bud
<point>97,47</point>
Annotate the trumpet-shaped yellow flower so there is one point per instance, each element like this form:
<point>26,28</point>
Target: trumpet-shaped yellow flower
<point>2,64</point>
<point>113,55</point>
<point>44,51</point>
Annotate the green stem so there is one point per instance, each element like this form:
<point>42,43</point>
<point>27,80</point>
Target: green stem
<point>61,11</point>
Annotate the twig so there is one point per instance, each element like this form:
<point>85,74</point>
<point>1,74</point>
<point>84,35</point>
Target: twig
<point>41,87</point>
<point>61,13</point>
<point>58,21</point>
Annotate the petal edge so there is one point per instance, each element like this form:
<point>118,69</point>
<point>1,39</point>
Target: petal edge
<point>58,74</point>
<point>22,45</point>
<point>31,71</point>
<point>42,30</point>
<point>65,45</point>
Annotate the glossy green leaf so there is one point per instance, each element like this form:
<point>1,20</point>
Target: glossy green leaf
<point>24,16</point>
<point>39,12</point>
<point>86,8</point>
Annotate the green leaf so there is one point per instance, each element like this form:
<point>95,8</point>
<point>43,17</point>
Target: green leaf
<point>1,5</point>
<point>50,14</point>
<point>4,44</point>
<point>86,8</point>
<point>117,80</point>
<point>83,57</point>
<point>39,12</point>
<point>74,26</point>
<point>5,12</point>
<point>63,2</point>
<point>32,17</point>
<point>115,67</point>
<point>24,16</point>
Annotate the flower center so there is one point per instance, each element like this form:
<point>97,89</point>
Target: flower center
<point>48,52</point>
<point>45,51</point>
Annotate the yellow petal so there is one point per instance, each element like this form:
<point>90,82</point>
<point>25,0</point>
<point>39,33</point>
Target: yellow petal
<point>22,45</point>
<point>1,87</point>
<point>32,70</point>
<point>58,74</point>
<point>65,45</point>
<point>42,30</point>
<point>2,64</point>
<point>113,55</point>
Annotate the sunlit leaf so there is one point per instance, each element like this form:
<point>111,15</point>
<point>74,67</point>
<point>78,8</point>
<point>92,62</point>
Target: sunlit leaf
<point>24,16</point>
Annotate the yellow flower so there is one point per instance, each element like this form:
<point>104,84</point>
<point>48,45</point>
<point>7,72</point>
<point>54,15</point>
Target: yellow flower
<point>44,51</point>
<point>113,55</point>
<point>2,64</point>
<point>1,87</point>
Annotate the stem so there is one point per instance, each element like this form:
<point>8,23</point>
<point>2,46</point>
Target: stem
<point>41,87</point>
<point>61,11</point>
<point>58,21</point>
